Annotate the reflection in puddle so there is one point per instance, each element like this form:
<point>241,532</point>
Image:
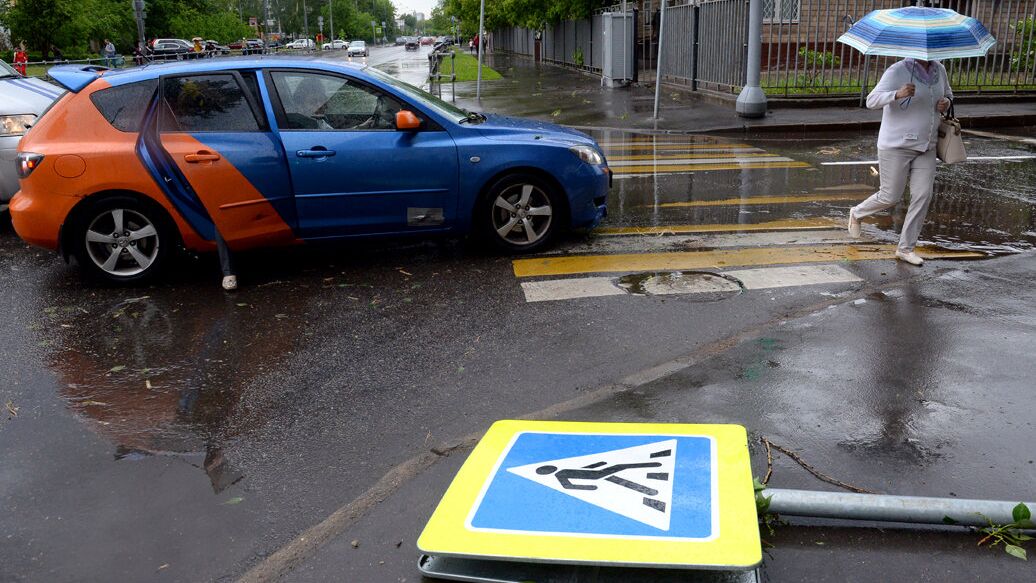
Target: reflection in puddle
<point>699,286</point>
<point>163,377</point>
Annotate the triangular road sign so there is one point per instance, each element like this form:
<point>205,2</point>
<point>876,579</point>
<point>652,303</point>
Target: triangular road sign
<point>635,482</point>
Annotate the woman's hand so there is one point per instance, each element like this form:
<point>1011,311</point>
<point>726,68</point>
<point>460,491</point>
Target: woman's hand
<point>942,105</point>
<point>905,91</point>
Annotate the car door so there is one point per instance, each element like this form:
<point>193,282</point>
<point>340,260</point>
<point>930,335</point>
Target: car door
<point>352,171</point>
<point>215,149</point>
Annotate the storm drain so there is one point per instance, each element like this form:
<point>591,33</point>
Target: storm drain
<point>698,286</point>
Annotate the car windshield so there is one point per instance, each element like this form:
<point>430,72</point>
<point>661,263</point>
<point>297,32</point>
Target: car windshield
<point>7,71</point>
<point>356,43</point>
<point>443,108</point>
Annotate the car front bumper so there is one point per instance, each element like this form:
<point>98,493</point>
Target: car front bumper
<point>589,201</point>
<point>8,169</point>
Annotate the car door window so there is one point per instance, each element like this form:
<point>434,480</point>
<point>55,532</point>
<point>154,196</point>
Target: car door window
<point>313,101</point>
<point>206,103</point>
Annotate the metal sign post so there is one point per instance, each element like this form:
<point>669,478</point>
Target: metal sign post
<point>481,43</point>
<point>658,60</point>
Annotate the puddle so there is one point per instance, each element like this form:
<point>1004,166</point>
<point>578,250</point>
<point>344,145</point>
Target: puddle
<point>697,286</point>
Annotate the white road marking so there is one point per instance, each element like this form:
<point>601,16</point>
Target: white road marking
<point>567,289</point>
<point>795,275</point>
<point>662,243</point>
<point>970,159</point>
<point>751,279</point>
<point>688,161</point>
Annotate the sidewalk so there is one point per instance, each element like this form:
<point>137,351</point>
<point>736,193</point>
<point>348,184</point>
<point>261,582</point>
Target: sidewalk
<point>568,97</point>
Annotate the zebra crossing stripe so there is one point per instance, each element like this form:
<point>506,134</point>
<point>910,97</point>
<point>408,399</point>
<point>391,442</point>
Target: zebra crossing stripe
<point>779,225</point>
<point>757,200</point>
<point>751,279</point>
<point>621,165</point>
<point>717,155</point>
<point>717,259</point>
<point>651,244</point>
<point>638,170</point>
<point>668,145</point>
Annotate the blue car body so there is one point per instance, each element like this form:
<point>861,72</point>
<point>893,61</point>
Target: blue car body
<point>330,184</point>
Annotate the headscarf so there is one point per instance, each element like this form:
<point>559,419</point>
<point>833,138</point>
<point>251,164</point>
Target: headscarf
<point>929,76</point>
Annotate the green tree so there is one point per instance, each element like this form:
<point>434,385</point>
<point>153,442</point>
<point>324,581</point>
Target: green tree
<point>38,23</point>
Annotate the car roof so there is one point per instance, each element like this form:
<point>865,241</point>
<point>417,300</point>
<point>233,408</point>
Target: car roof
<point>133,74</point>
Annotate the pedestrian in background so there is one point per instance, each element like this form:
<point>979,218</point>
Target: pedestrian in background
<point>108,52</point>
<point>138,54</point>
<point>21,58</point>
<point>912,93</point>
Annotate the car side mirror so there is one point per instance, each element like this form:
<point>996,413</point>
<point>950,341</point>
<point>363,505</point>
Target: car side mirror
<point>406,120</point>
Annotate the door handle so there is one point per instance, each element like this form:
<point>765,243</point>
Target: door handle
<point>315,152</point>
<point>201,156</point>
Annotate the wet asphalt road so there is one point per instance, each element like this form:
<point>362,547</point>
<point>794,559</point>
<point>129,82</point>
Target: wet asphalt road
<point>174,432</point>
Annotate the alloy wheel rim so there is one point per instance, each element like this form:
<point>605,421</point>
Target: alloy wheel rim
<point>522,214</point>
<point>122,242</point>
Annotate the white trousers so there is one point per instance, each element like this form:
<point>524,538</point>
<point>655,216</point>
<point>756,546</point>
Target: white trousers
<point>896,166</point>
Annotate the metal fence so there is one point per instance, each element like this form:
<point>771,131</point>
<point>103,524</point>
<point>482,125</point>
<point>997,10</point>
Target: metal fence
<point>801,55</point>
<point>705,45</point>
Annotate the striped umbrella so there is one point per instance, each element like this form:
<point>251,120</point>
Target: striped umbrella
<point>929,34</point>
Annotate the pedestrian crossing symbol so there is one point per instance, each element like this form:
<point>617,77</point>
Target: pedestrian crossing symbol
<point>602,493</point>
<point>633,482</point>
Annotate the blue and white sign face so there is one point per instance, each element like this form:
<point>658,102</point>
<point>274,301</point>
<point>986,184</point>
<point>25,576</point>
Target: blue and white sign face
<point>602,485</point>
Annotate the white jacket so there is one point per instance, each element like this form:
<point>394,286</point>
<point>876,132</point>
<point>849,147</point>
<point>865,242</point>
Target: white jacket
<point>917,126</point>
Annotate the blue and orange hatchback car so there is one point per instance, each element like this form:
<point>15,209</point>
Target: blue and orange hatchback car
<point>131,165</point>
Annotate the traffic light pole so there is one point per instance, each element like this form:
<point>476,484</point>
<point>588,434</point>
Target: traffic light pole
<point>139,14</point>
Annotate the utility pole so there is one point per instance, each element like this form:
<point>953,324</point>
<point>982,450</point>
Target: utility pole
<point>140,13</point>
<point>752,100</point>
<point>268,17</point>
<point>331,9</point>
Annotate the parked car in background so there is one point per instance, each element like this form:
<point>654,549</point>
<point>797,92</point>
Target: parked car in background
<point>274,45</point>
<point>358,48</point>
<point>411,44</point>
<point>427,40</point>
<point>237,45</point>
<point>335,45</point>
<point>177,152</point>
<point>22,100</point>
<point>301,43</point>
<point>213,48</point>
<point>253,46</point>
<point>170,49</point>
<point>400,40</point>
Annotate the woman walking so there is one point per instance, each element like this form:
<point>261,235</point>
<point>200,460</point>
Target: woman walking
<point>912,94</point>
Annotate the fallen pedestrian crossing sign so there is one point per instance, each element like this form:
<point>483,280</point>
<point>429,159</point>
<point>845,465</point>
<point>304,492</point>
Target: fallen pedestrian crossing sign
<point>618,494</point>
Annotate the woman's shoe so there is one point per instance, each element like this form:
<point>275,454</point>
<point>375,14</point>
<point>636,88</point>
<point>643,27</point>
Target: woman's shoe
<point>911,257</point>
<point>854,225</point>
<point>230,282</point>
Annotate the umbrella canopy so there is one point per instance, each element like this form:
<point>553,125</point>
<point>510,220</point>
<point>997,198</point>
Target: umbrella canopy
<point>930,34</point>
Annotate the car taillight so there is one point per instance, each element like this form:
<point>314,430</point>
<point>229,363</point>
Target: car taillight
<point>27,162</point>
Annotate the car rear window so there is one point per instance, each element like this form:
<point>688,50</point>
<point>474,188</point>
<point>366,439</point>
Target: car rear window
<point>207,103</point>
<point>123,106</point>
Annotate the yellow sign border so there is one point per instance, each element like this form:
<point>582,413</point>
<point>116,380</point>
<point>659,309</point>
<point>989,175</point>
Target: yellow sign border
<point>736,546</point>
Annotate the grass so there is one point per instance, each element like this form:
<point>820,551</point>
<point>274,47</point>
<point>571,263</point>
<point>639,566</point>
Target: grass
<point>467,68</point>
<point>802,85</point>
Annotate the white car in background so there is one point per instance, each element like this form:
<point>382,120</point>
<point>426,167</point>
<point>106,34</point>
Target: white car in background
<point>302,43</point>
<point>335,44</point>
<point>357,48</point>
<point>22,100</point>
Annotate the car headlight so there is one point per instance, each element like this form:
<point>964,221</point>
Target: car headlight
<point>587,154</point>
<point>16,125</point>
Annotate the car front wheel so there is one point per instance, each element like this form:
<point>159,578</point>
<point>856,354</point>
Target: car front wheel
<point>521,213</point>
<point>121,240</point>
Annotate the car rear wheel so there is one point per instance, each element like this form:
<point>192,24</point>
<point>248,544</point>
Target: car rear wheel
<point>121,240</point>
<point>521,213</point>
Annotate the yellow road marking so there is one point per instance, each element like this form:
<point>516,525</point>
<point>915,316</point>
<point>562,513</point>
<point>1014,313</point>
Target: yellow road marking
<point>674,146</point>
<point>765,200</point>
<point>631,262</point>
<point>700,167</point>
<point>781,225</point>
<point>758,154</point>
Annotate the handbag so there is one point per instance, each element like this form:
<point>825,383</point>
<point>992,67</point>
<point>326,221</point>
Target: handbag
<point>950,146</point>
